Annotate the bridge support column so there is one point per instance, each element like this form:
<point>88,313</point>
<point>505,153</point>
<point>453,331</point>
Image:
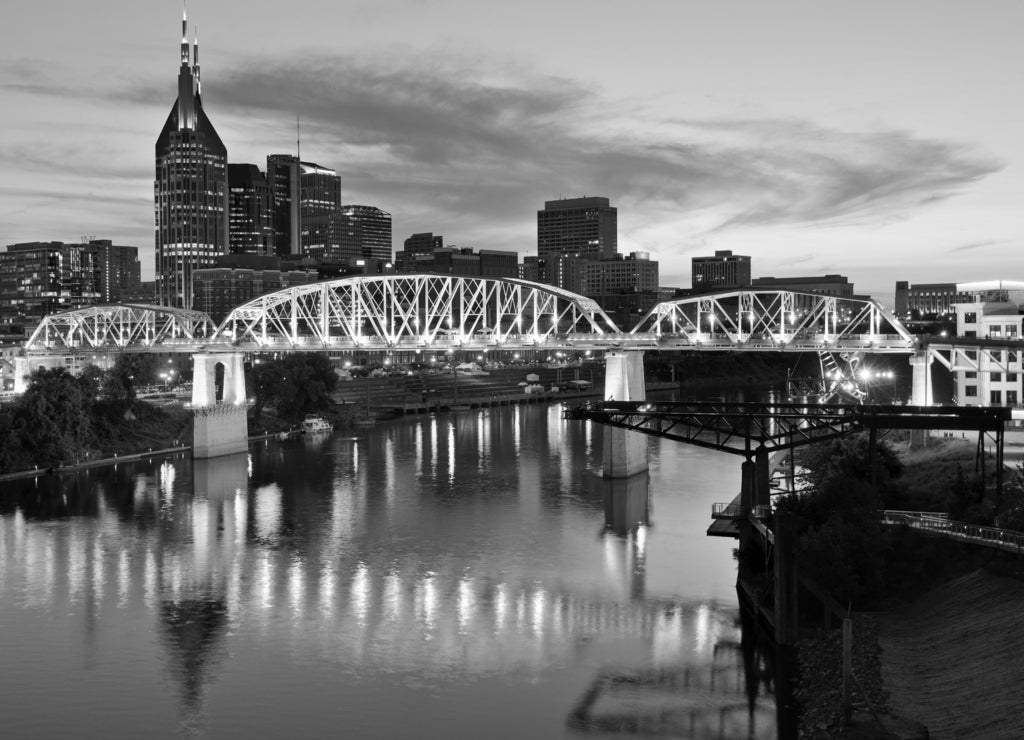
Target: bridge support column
<point>921,391</point>
<point>625,452</point>
<point>22,370</point>
<point>218,427</point>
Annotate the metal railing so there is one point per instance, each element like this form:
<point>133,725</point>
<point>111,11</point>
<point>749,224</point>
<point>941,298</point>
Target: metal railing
<point>1004,539</point>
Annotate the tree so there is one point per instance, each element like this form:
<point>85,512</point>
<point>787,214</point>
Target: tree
<point>130,370</point>
<point>52,417</point>
<point>297,384</point>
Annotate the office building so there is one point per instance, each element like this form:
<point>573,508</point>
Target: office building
<point>237,279</point>
<point>191,188</point>
<point>464,262</point>
<point>722,271</point>
<point>250,206</point>
<point>41,278</point>
<point>989,313</point>
<point>118,272</point>
<point>577,227</point>
<point>926,300</point>
<point>416,246</point>
<point>626,287</point>
<point>365,233</point>
<point>831,285</point>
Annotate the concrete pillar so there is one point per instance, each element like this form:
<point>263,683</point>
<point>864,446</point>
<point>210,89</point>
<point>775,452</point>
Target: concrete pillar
<point>625,452</point>
<point>921,393</point>
<point>218,428</point>
<point>22,370</point>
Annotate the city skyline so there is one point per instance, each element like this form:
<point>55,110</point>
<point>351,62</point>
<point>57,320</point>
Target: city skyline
<point>872,141</point>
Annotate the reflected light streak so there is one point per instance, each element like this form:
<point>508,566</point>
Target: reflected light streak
<point>433,445</point>
<point>297,587</point>
<point>702,630</point>
<point>360,593</point>
<point>516,421</point>
<point>417,446</point>
<point>466,603</point>
<point>328,583</point>
<point>268,510</point>
<point>393,596</point>
<point>426,598</point>
<point>537,616</point>
<point>99,575</point>
<point>149,580</point>
<point>167,474</point>
<point>451,449</point>
<point>500,607</point>
<point>241,515</point>
<point>124,578</point>
<point>200,536</point>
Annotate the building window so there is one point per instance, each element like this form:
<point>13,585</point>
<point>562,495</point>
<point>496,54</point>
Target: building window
<point>970,334</point>
<point>970,390</point>
<point>1011,398</point>
<point>970,374</point>
<point>1011,330</point>
<point>970,318</point>
<point>1011,377</point>
<point>996,377</point>
<point>995,397</point>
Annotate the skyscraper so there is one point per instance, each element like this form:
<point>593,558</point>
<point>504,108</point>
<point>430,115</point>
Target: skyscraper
<point>252,227</point>
<point>191,187</point>
<point>306,201</point>
<point>283,180</point>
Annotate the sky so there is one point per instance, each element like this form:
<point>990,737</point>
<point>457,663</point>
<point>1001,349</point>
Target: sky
<point>876,139</point>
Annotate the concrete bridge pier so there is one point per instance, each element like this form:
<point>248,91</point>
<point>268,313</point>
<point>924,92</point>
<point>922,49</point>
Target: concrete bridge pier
<point>625,452</point>
<point>921,391</point>
<point>219,425</point>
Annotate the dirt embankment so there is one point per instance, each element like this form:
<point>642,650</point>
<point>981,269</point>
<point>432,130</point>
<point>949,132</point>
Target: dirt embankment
<point>952,659</point>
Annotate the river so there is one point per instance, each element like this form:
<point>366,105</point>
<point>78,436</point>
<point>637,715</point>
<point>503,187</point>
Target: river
<point>457,576</point>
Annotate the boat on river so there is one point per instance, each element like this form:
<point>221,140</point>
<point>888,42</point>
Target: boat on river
<point>313,424</point>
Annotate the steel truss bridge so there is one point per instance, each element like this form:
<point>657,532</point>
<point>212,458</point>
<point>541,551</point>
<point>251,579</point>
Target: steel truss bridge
<point>395,312</point>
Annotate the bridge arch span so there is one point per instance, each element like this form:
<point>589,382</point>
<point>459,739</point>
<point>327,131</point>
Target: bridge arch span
<point>415,310</point>
<point>775,320</point>
<point>120,326</point>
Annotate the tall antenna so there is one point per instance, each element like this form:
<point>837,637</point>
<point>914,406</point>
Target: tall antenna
<point>298,139</point>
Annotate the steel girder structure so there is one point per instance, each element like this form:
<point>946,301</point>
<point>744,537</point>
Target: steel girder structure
<point>738,428</point>
<point>411,311</point>
<point>121,326</point>
<point>775,320</point>
<point>987,357</point>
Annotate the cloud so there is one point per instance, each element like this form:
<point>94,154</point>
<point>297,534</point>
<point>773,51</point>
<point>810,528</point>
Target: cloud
<point>459,138</point>
<point>975,245</point>
<point>471,148</point>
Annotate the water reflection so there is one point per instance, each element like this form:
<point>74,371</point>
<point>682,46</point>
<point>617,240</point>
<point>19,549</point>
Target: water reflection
<point>359,563</point>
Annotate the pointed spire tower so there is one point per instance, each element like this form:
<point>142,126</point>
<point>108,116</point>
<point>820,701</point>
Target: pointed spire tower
<point>191,188</point>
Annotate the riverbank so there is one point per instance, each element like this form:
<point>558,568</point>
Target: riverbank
<point>951,659</point>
